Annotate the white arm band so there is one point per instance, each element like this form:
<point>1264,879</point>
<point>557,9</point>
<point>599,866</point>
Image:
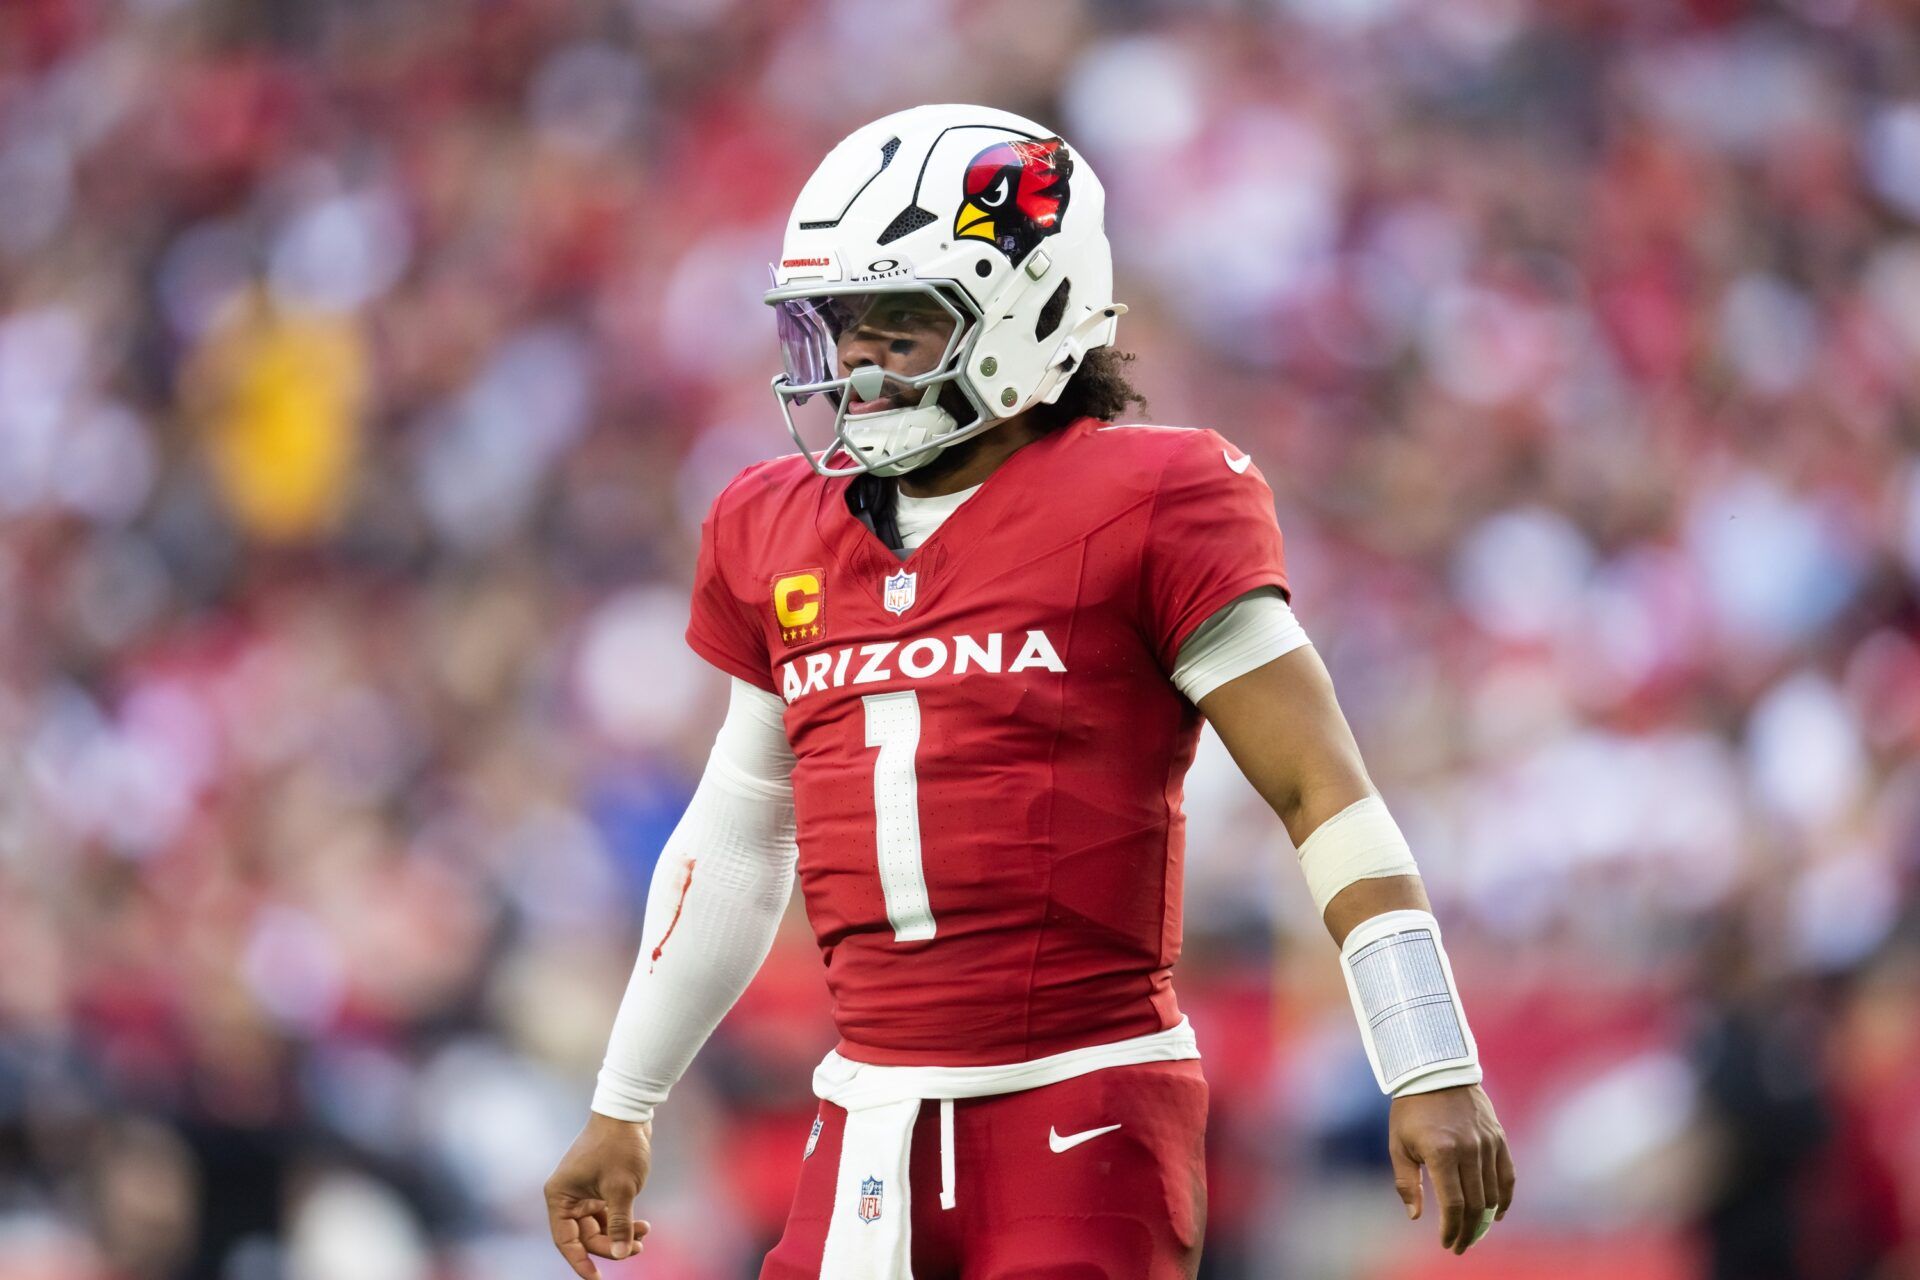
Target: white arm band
<point>1410,1014</point>
<point>1361,842</point>
<point>717,895</point>
<point>1241,636</point>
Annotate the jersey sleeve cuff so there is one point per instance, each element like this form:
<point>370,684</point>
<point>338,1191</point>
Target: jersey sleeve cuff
<point>1222,595</point>
<point>1243,636</point>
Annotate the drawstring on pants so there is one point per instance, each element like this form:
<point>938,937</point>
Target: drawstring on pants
<point>946,1153</point>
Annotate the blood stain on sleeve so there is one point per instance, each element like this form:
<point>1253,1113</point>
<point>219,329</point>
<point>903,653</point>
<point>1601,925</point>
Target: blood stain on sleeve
<point>678,907</point>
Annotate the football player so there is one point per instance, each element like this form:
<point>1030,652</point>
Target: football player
<point>972,628</point>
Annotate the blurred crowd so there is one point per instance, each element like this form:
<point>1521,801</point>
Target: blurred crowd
<point>366,367</point>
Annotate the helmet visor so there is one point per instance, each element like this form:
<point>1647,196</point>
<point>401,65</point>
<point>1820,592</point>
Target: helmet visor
<point>883,343</point>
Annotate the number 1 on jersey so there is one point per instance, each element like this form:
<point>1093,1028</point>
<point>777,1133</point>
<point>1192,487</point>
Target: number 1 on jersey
<point>893,725</point>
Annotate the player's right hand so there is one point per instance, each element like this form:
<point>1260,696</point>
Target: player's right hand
<point>1456,1136</point>
<point>590,1195</point>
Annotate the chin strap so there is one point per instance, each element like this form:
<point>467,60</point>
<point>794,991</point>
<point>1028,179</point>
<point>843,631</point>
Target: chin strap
<point>900,431</point>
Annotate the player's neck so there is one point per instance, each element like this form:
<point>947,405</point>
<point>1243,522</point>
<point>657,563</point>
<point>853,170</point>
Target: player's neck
<point>970,462</point>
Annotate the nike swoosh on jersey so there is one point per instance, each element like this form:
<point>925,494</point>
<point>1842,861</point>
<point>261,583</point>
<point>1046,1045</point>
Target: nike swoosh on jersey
<point>1058,1144</point>
<point>1239,464</point>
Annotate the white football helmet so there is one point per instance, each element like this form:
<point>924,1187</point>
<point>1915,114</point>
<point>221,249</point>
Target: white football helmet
<point>963,246</point>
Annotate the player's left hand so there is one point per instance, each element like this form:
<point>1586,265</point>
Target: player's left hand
<point>1455,1135</point>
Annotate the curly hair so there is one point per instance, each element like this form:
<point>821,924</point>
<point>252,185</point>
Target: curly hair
<point>1099,388</point>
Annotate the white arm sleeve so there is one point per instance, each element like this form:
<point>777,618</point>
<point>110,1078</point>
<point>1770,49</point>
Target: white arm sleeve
<point>717,896</point>
<point>1242,635</point>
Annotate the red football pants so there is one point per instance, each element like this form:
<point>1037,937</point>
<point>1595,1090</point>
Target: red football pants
<point>1130,1204</point>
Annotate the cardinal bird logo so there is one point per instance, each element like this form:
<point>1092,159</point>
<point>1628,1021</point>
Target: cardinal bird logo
<point>1016,194</point>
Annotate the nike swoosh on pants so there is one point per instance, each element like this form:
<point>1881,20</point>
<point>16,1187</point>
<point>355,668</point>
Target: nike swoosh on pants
<point>1058,1144</point>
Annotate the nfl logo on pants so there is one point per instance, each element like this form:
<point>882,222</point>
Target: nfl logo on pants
<point>870,1199</point>
<point>899,593</point>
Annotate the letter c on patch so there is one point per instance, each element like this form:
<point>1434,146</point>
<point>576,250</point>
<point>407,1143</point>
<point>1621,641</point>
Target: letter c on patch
<point>796,599</point>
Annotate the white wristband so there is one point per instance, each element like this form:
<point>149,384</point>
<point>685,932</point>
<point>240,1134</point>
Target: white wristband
<point>1411,1020</point>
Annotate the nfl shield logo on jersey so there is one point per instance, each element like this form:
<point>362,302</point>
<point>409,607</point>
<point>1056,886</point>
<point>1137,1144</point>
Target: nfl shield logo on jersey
<point>899,593</point>
<point>870,1199</point>
<point>813,1139</point>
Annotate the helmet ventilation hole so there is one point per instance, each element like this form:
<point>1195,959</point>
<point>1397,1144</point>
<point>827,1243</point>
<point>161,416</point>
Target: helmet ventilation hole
<point>911,218</point>
<point>1051,313</point>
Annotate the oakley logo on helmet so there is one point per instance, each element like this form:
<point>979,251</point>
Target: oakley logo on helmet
<point>1016,194</point>
<point>881,269</point>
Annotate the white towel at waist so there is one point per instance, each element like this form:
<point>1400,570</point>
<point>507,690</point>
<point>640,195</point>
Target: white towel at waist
<point>869,1235</point>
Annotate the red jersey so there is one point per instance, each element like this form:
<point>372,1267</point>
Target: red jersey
<point>989,751</point>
